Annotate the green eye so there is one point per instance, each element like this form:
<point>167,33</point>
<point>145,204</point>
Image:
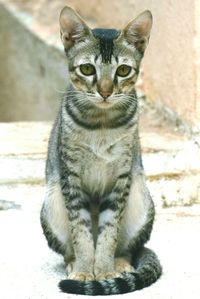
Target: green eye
<point>123,70</point>
<point>87,69</point>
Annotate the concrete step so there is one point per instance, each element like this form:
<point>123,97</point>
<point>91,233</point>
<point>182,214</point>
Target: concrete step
<point>172,165</point>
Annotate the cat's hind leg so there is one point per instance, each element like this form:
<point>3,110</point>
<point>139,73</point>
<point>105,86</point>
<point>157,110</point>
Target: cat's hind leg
<point>55,223</point>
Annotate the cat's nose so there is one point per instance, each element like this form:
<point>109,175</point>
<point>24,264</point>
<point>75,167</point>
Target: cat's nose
<point>105,94</point>
<point>105,87</point>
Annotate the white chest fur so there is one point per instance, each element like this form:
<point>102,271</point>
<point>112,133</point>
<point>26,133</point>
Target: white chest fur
<point>103,156</point>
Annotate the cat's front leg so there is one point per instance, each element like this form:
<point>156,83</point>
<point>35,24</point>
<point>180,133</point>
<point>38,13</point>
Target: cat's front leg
<point>111,211</point>
<point>104,267</point>
<point>80,223</point>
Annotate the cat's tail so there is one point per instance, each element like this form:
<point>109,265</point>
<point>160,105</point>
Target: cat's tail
<point>147,271</point>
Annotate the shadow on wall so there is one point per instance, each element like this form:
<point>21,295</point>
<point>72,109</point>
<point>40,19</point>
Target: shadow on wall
<point>33,75</point>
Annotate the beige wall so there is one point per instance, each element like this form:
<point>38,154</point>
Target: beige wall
<point>32,74</point>
<point>197,58</point>
<point>171,67</point>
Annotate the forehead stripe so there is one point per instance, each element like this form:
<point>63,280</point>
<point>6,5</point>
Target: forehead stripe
<point>106,37</point>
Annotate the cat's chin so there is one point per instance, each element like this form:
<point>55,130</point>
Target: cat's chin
<point>104,104</point>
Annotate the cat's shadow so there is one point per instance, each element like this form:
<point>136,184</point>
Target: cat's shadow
<point>60,268</point>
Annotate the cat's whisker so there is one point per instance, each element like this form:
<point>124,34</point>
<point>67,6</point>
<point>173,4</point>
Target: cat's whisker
<point>60,91</point>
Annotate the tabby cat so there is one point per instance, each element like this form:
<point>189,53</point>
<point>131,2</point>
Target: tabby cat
<point>98,212</point>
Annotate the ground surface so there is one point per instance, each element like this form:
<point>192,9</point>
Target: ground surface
<point>30,270</point>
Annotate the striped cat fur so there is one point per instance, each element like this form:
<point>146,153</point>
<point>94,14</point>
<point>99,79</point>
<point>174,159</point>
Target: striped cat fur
<point>98,212</point>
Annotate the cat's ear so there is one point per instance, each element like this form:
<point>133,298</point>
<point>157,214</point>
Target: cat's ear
<point>72,28</point>
<point>137,32</point>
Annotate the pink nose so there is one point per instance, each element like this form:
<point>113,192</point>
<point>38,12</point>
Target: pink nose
<point>105,87</point>
<point>105,93</point>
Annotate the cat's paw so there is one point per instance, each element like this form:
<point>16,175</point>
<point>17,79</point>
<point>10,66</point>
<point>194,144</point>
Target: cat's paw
<point>82,276</point>
<point>121,265</point>
<point>107,275</point>
<point>69,268</point>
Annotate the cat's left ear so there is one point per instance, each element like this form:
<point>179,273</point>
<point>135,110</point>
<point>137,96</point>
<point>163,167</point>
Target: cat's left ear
<point>72,28</point>
<point>137,32</point>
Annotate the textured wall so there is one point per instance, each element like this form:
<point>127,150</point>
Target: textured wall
<point>171,67</point>
<point>31,73</point>
<point>197,59</point>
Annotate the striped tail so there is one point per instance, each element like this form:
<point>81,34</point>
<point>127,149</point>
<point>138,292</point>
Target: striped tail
<point>147,271</point>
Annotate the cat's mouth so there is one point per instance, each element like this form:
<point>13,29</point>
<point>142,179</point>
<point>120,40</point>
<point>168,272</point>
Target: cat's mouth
<point>105,104</point>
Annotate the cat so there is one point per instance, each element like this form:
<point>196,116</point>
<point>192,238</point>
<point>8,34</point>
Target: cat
<point>98,212</point>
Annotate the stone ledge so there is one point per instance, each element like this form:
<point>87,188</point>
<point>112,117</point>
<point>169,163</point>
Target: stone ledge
<point>24,138</point>
<point>172,165</point>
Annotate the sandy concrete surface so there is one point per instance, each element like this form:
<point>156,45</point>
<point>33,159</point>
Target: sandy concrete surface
<point>30,270</point>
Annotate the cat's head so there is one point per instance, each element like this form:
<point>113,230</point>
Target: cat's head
<point>104,63</point>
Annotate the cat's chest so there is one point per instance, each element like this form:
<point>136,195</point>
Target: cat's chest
<point>104,146</point>
<point>103,156</point>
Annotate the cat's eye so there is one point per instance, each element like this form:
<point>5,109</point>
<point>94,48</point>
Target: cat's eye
<point>87,69</point>
<point>123,70</point>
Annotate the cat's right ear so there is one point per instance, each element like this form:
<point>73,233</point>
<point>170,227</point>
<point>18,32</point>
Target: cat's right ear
<point>72,28</point>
